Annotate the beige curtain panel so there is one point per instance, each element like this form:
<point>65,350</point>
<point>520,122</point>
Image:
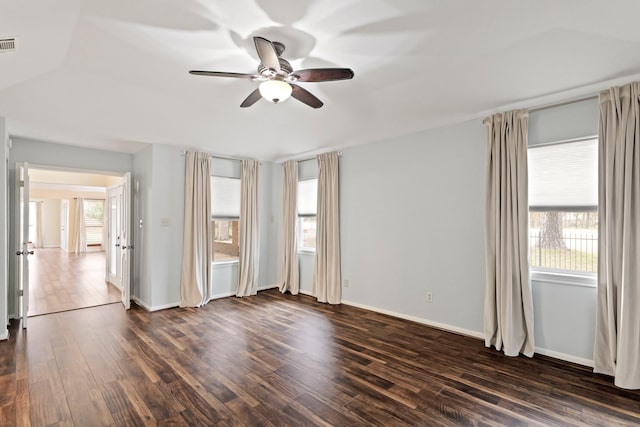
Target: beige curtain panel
<point>289,274</point>
<point>617,341</point>
<point>508,306</point>
<point>39,243</point>
<point>197,253</point>
<point>326,277</point>
<point>249,229</point>
<point>78,234</point>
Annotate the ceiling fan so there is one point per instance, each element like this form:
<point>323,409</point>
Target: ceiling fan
<point>278,80</point>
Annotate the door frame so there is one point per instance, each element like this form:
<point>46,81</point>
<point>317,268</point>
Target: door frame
<point>20,249</point>
<point>13,222</point>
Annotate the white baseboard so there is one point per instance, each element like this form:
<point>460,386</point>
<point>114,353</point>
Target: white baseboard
<point>4,335</point>
<point>555,354</point>
<point>222,295</point>
<point>427,322</point>
<point>566,357</point>
<point>156,307</point>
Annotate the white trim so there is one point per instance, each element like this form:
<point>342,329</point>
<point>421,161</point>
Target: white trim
<point>4,336</point>
<point>155,308</point>
<point>220,264</point>
<point>565,357</point>
<point>232,293</point>
<point>222,295</point>
<point>427,322</point>
<point>543,351</point>
<point>572,279</point>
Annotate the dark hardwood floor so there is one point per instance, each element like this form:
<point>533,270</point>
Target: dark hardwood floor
<point>283,360</point>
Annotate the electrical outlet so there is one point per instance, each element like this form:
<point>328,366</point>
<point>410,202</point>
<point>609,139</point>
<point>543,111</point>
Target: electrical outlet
<point>429,296</point>
<point>345,283</point>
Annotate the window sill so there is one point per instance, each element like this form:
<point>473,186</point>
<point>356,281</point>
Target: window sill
<point>306,251</point>
<point>221,263</point>
<point>588,280</point>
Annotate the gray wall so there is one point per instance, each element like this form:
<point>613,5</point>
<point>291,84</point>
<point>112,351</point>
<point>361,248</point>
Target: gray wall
<point>4,247</point>
<point>142,179</point>
<point>412,222</point>
<point>158,220</point>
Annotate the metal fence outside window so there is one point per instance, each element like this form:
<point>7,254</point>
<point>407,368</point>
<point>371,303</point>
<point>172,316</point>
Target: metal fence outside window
<point>579,254</point>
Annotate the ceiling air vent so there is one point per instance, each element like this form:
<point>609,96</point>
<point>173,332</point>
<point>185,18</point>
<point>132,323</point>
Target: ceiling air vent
<point>7,45</point>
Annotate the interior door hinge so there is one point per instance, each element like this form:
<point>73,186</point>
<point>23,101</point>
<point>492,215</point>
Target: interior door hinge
<point>21,183</point>
<point>20,292</point>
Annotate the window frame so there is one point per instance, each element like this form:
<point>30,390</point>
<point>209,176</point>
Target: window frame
<point>300,218</point>
<point>102,224</point>
<point>218,218</point>
<point>548,275</point>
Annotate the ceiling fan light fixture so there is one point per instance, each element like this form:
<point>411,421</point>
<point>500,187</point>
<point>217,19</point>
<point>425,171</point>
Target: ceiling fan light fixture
<point>275,90</point>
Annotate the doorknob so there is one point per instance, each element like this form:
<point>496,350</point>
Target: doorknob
<point>18,253</point>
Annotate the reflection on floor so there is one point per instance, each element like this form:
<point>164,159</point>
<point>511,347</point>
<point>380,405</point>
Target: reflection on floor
<point>62,281</point>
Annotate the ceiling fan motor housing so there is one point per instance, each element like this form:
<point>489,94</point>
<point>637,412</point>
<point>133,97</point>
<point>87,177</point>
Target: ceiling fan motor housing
<point>285,69</point>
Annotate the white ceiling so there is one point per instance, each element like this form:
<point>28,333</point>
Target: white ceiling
<point>114,74</point>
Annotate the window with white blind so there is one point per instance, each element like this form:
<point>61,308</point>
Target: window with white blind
<point>563,207</point>
<point>225,214</point>
<point>307,211</point>
<point>93,221</point>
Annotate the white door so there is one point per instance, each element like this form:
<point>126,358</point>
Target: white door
<point>64,221</point>
<point>120,241</point>
<point>114,220</point>
<point>126,240</point>
<point>22,243</point>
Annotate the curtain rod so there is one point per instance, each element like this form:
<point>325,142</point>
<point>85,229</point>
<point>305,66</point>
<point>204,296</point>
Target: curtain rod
<point>211,156</point>
<point>313,158</point>
<point>559,104</point>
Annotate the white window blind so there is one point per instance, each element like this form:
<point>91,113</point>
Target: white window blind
<point>564,176</point>
<point>307,197</point>
<point>225,197</point>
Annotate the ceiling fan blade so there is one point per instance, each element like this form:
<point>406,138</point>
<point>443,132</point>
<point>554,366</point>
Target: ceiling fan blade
<point>223,74</point>
<point>306,97</point>
<point>323,74</point>
<point>267,53</point>
<point>251,99</point>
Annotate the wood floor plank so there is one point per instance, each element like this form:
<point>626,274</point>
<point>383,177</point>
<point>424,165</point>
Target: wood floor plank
<point>276,359</point>
<point>62,281</point>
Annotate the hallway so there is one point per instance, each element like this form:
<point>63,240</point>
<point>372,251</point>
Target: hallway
<point>61,281</point>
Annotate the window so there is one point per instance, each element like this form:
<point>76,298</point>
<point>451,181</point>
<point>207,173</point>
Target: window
<point>225,214</point>
<point>307,205</point>
<point>563,207</point>
<point>93,221</point>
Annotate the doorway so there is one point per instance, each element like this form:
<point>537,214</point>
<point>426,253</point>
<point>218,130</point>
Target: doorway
<point>68,240</point>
